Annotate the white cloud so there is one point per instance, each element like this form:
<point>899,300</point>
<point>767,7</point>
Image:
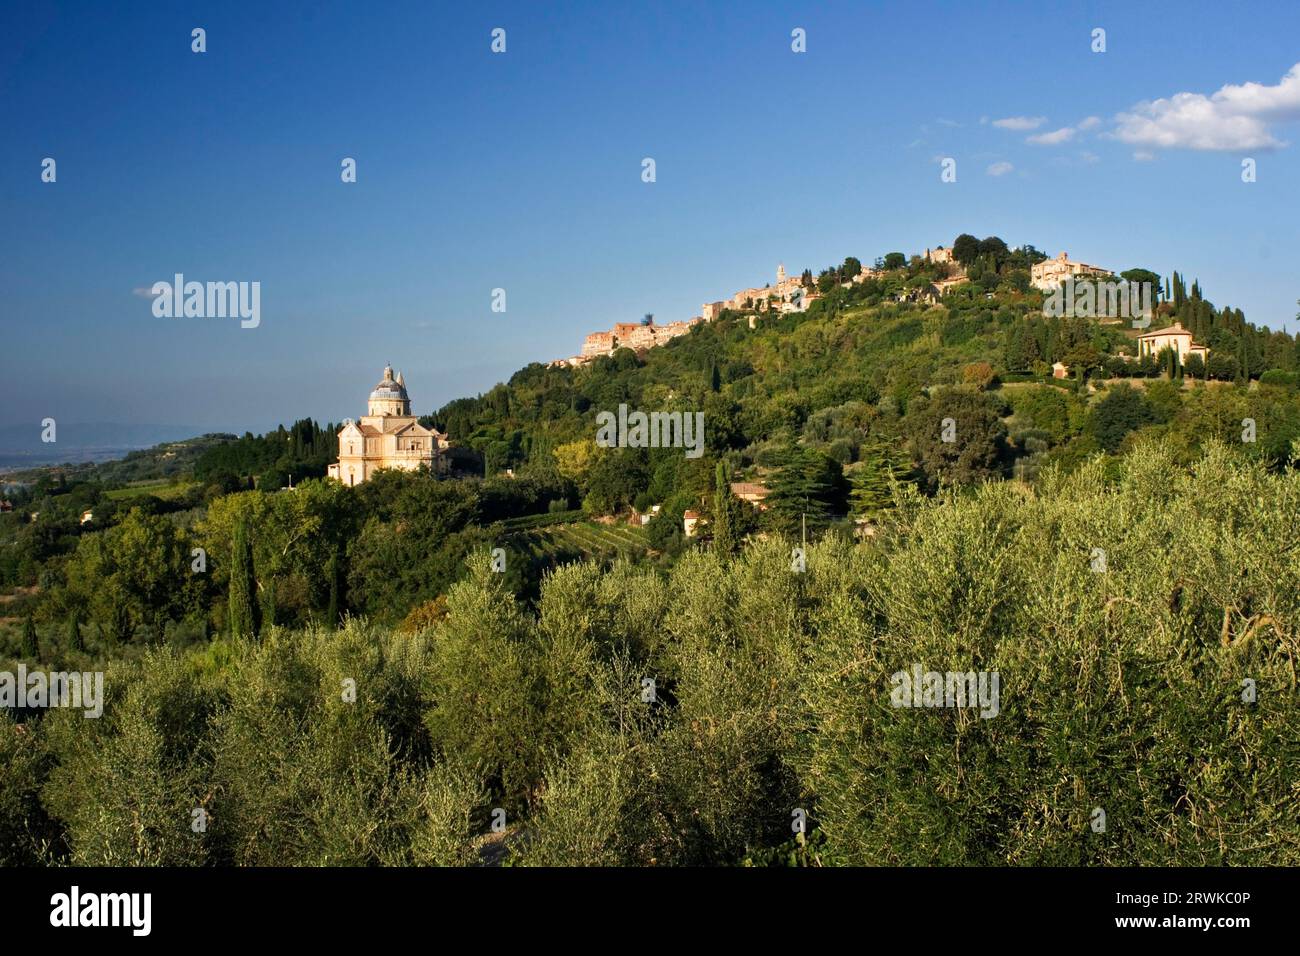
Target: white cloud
<point>999,169</point>
<point>1144,155</point>
<point>1020,123</point>
<point>1091,122</point>
<point>1281,102</point>
<point>1054,138</point>
<point>947,122</point>
<point>1234,118</point>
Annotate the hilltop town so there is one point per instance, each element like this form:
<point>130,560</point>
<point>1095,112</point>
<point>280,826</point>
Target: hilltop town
<point>796,293</point>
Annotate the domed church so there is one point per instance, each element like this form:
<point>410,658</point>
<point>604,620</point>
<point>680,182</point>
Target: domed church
<point>388,437</point>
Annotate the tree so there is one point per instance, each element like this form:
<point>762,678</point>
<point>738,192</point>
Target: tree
<point>1083,358</point>
<point>1143,275</point>
<point>995,250</point>
<point>616,480</point>
<point>957,436</point>
<point>1122,410</point>
<point>873,482</point>
<point>965,248</point>
<point>575,459</point>
<point>245,612</point>
<point>115,623</point>
<point>724,512</point>
<point>978,374</point>
<point>895,260</point>
<point>809,485</point>
<point>75,642</point>
<point>135,574</point>
<point>30,647</point>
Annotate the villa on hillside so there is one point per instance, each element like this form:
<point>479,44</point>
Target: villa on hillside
<point>1175,337</point>
<point>388,437</point>
<point>1050,273</point>
<point>751,492</point>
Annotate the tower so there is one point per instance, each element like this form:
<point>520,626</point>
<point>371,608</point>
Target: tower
<point>780,273</point>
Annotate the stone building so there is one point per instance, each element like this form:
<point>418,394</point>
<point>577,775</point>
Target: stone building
<point>758,298</point>
<point>629,335</point>
<point>711,310</point>
<point>389,436</point>
<point>1174,337</point>
<point>1049,273</point>
<point>751,492</point>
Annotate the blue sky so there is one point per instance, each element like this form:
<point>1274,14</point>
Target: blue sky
<point>522,171</point>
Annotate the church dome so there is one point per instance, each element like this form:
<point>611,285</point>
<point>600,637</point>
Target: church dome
<point>390,388</point>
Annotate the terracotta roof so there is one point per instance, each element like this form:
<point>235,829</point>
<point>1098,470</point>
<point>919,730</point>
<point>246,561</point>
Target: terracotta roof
<point>1175,329</point>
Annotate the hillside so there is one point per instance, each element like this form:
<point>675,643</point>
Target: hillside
<point>963,509</point>
<point>823,414</point>
<point>860,375</point>
<point>769,692</point>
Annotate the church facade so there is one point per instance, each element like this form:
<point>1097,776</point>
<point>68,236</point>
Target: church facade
<point>388,437</point>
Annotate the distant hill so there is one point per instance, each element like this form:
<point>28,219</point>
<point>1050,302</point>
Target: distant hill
<point>124,464</point>
<point>21,446</point>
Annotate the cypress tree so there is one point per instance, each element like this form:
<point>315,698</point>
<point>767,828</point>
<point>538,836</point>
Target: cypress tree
<point>724,514</point>
<point>75,642</point>
<point>30,648</point>
<point>244,616</point>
